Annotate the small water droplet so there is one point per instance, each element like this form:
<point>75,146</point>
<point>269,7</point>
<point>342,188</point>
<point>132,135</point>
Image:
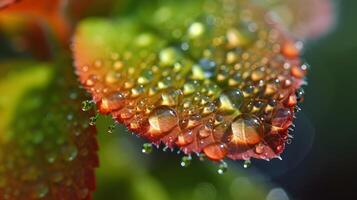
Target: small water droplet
<point>299,94</point>
<point>196,29</point>
<point>93,120</point>
<point>184,139</point>
<point>111,129</point>
<point>247,164</point>
<point>147,148</point>
<point>70,152</point>
<point>201,156</point>
<point>87,105</point>
<point>222,168</point>
<point>168,56</point>
<point>51,157</point>
<point>186,161</point>
<point>41,191</point>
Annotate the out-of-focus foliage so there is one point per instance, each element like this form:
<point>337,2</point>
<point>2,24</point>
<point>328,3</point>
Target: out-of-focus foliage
<point>47,148</point>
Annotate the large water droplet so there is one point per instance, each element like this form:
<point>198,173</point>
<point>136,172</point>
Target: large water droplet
<point>196,29</point>
<point>163,119</point>
<point>231,100</point>
<point>216,151</point>
<point>246,130</point>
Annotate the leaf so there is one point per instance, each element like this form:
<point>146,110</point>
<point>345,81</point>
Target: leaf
<point>48,150</point>
<point>205,76</point>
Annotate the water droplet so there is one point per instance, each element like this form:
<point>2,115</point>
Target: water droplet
<point>41,191</point>
<point>205,131</point>
<point>70,152</point>
<point>111,102</point>
<point>163,119</point>
<point>93,120</point>
<point>290,50</point>
<point>236,38</point>
<point>196,29</point>
<point>70,117</point>
<point>201,156</point>
<point>170,98</point>
<point>184,139</point>
<point>98,63</point>
<point>299,94</point>
<point>222,168</point>
<point>245,130</point>
<point>111,129</point>
<point>247,164</point>
<point>145,77</point>
<point>186,161</point>
<point>51,157</point>
<point>216,151</point>
<point>87,105</point>
<point>231,100</point>
<point>147,148</point>
<point>168,56</point>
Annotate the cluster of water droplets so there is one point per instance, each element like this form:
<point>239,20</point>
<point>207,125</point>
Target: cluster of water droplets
<point>227,87</point>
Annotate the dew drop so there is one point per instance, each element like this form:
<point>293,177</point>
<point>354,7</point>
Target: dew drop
<point>168,56</point>
<point>41,191</point>
<point>186,161</point>
<point>247,164</point>
<point>290,50</point>
<point>231,100</point>
<point>70,153</point>
<point>147,148</point>
<point>93,119</point>
<point>205,131</point>
<point>184,139</point>
<point>201,157</point>
<point>111,129</point>
<point>196,29</point>
<point>87,105</point>
<point>299,94</point>
<point>245,130</point>
<point>216,151</point>
<point>111,102</point>
<point>222,168</point>
<point>163,119</point>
